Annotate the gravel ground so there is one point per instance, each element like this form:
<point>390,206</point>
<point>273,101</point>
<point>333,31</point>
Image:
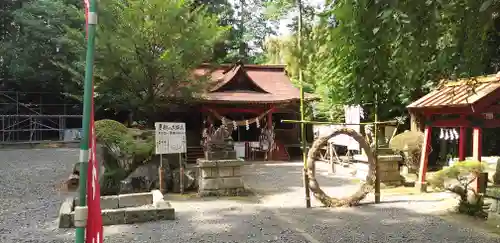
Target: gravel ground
<point>29,202</point>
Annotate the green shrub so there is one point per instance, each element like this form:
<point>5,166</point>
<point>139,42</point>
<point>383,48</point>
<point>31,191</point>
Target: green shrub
<point>409,143</point>
<point>464,173</point>
<point>124,150</point>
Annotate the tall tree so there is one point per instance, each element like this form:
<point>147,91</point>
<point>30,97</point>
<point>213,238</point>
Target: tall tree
<point>33,43</point>
<point>396,49</point>
<point>147,51</point>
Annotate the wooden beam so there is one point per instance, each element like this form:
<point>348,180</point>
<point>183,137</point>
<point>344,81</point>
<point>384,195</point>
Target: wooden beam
<point>270,126</point>
<point>477,143</point>
<point>226,110</point>
<point>424,159</point>
<point>490,99</point>
<point>484,105</point>
<point>461,143</point>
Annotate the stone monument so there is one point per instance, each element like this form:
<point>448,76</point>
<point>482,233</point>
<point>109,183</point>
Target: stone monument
<point>220,170</point>
<point>388,163</point>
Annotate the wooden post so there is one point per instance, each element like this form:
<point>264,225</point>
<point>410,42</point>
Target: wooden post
<point>424,159</point>
<point>181,174</point>
<point>477,137</point>
<point>461,144</point>
<point>161,175</point>
<point>415,122</point>
<point>477,143</point>
<point>270,127</point>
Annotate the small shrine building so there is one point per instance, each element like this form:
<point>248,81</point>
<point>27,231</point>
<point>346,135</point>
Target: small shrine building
<point>255,98</point>
<point>467,104</point>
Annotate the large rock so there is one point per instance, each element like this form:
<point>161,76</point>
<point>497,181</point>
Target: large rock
<point>145,178</point>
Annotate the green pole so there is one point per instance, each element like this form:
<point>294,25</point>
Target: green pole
<point>302,113</point>
<point>87,103</point>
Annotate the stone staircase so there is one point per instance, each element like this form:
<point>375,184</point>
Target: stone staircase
<point>194,153</point>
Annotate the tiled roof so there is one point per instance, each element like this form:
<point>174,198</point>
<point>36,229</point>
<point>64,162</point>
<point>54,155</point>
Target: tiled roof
<point>462,93</point>
<point>270,78</point>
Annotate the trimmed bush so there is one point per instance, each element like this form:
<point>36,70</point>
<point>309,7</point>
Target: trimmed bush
<point>458,179</point>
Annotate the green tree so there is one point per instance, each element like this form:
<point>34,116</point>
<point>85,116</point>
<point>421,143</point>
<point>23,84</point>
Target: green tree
<point>34,45</point>
<point>146,52</point>
<point>397,50</point>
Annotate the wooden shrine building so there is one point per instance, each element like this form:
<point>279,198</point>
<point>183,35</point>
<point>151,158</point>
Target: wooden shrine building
<point>465,104</point>
<point>253,97</point>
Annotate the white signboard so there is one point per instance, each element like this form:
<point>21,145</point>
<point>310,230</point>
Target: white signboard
<point>170,138</point>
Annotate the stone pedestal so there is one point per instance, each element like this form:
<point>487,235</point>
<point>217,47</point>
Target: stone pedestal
<point>388,169</point>
<point>220,177</point>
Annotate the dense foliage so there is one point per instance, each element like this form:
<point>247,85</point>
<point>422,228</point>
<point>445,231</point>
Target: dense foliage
<point>396,50</point>
<point>145,49</point>
<point>142,58</point>
<point>352,50</point>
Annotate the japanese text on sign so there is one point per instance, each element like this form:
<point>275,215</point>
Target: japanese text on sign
<point>170,138</point>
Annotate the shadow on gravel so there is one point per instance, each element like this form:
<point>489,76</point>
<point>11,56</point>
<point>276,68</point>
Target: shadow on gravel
<point>254,224</point>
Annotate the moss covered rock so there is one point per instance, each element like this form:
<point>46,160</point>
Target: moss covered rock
<point>124,151</point>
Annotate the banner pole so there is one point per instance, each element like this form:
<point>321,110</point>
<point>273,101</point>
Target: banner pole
<point>87,109</point>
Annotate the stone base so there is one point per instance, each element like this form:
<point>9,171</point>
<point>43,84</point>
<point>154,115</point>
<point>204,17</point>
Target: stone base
<point>225,192</point>
<point>388,169</point>
<point>220,178</point>
<point>123,209</point>
<point>220,155</point>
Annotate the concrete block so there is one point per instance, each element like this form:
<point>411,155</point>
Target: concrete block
<point>210,183</point>
<point>232,182</point>
<point>135,199</point>
<point>226,171</point>
<point>140,214</point>
<point>388,166</point>
<point>167,213</point>
<point>113,216</point>
<point>206,172</point>
<point>237,171</point>
<point>65,219</point>
<point>203,163</point>
<point>157,196</point>
<point>230,163</point>
<point>107,202</point>
<point>162,204</point>
<point>218,155</point>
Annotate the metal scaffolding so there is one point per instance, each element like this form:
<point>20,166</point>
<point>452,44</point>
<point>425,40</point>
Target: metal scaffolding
<point>26,117</point>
